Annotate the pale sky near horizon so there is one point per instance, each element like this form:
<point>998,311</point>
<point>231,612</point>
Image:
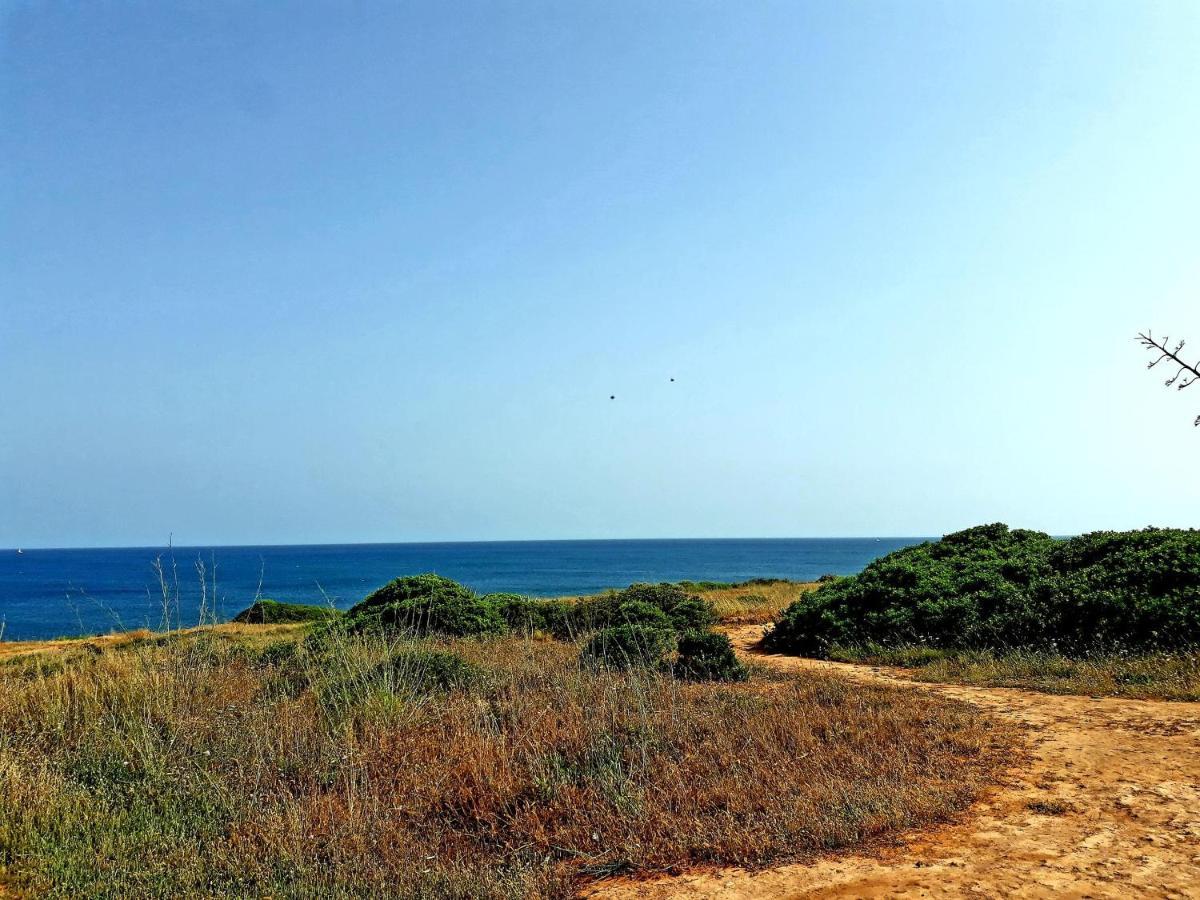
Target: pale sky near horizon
<point>307,272</point>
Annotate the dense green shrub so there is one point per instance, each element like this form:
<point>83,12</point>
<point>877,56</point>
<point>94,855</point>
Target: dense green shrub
<point>683,610</point>
<point>664,595</point>
<point>520,614</point>
<point>707,656</point>
<point>426,604</point>
<point>639,625</point>
<point>692,614</point>
<point>627,647</point>
<point>995,587</point>
<point>1133,589</point>
<point>635,612</point>
<point>526,615</point>
<point>558,619</point>
<point>273,612</point>
<point>588,614</point>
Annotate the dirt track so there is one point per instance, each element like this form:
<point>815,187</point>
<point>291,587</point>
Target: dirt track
<point>1108,806</point>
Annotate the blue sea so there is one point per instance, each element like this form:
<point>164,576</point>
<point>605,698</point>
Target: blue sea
<point>54,593</point>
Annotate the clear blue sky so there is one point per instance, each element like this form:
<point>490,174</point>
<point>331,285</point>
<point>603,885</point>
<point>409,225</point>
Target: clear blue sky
<point>308,272</point>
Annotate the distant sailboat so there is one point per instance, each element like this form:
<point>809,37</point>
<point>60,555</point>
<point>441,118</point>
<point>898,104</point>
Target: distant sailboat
<point>19,550</point>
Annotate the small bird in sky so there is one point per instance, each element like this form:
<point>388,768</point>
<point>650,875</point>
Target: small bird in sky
<point>612,396</point>
<point>672,379</point>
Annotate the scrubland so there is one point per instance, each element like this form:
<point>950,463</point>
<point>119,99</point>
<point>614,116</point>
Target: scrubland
<point>323,760</point>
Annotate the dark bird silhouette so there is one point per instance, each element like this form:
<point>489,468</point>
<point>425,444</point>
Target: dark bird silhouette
<point>672,379</point>
<point>612,396</point>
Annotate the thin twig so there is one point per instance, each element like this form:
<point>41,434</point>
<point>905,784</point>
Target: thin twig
<point>1189,373</point>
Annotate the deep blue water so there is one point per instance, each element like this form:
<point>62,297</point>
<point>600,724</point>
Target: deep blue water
<point>52,593</point>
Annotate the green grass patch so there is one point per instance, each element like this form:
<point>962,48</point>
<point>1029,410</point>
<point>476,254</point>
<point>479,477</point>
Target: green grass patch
<point>1163,675</point>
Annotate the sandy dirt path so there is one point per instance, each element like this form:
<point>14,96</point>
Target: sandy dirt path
<point>1108,805</point>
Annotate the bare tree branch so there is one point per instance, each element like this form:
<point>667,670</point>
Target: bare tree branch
<point>1188,373</point>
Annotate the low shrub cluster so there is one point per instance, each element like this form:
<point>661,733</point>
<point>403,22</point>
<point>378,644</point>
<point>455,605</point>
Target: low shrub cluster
<point>669,605</point>
<point>420,605</point>
<point>992,587</point>
<point>423,605</point>
<point>273,612</point>
<point>628,646</point>
<point>637,627</point>
<point>707,656</point>
<point>642,625</point>
<point>529,615</point>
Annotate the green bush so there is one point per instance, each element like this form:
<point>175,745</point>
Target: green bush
<point>992,587</point>
<point>272,612</point>
<point>520,614</point>
<point>707,656</point>
<point>527,615</point>
<point>588,614</point>
<point>627,647</point>
<point>663,595</point>
<point>426,604</point>
<point>683,610</point>
<point>638,626</point>
<point>559,619</point>
<point>692,614</point>
<point>635,612</point>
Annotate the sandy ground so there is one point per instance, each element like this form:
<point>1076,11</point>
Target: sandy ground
<point>1108,805</point>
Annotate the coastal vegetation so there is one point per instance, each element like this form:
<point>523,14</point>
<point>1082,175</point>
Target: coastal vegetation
<point>1108,612</point>
<point>383,753</point>
<point>992,587</point>
<point>273,612</point>
<point>638,627</point>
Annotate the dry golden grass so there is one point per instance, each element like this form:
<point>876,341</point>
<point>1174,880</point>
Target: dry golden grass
<point>250,634</point>
<point>239,762</point>
<point>755,604</point>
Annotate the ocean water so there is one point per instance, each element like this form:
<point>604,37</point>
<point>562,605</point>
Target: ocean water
<point>53,593</point>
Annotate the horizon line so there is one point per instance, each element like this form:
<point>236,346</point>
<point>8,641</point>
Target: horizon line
<point>169,547</point>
